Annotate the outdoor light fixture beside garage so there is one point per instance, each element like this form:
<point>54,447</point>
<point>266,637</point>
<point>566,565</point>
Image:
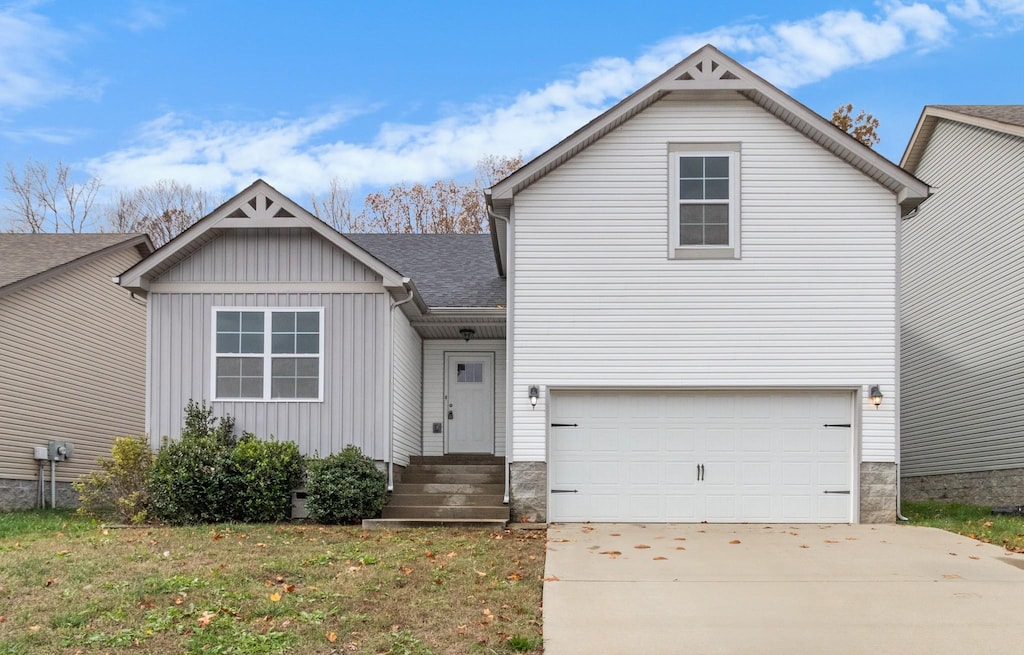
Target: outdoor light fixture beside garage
<point>875,395</point>
<point>534,395</point>
<point>467,333</point>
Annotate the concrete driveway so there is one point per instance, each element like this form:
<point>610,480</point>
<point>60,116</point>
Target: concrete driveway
<point>706,589</point>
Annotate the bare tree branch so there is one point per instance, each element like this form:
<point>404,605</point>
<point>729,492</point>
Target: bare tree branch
<point>163,210</point>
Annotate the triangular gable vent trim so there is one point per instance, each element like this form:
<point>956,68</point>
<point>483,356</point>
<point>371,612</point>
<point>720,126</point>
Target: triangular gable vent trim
<point>260,207</point>
<point>706,69</point>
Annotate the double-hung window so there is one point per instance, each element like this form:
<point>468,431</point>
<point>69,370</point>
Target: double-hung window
<point>704,201</point>
<point>268,354</point>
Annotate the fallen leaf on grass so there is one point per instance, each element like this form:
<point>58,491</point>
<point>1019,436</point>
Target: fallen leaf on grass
<point>462,629</point>
<point>49,582</point>
<point>480,573</point>
<point>332,637</point>
<point>261,545</point>
<point>275,597</point>
<point>406,570</point>
<point>218,537</point>
<point>205,618</point>
<point>987,524</point>
<point>514,577</point>
<point>641,546</point>
<point>735,541</point>
<point>289,588</point>
<point>659,557</point>
<point>34,628</point>
<point>430,554</point>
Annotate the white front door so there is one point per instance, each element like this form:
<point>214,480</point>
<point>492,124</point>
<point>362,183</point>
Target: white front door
<point>469,402</point>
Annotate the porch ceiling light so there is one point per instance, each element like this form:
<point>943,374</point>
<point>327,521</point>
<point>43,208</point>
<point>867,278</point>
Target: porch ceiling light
<point>875,395</point>
<point>467,333</point>
<point>534,395</point>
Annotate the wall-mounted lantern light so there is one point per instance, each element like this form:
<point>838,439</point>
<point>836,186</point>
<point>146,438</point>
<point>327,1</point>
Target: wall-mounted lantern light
<point>534,395</point>
<point>467,333</point>
<point>875,395</point>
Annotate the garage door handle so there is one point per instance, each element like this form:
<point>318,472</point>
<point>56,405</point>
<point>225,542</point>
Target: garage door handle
<point>564,425</point>
<point>846,493</point>
<point>563,491</point>
<point>837,425</point>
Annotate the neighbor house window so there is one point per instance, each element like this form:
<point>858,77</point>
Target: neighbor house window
<point>704,201</point>
<point>268,354</point>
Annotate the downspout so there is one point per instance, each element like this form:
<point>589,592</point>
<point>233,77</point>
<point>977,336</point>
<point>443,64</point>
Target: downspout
<point>899,389</point>
<point>391,384</point>
<point>508,368</point>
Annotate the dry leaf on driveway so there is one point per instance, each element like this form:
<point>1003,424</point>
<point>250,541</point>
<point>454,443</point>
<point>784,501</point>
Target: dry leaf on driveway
<point>735,541</point>
<point>641,546</point>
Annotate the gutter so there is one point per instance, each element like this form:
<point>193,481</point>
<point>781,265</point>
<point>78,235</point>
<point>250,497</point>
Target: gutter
<point>508,350</point>
<point>395,304</point>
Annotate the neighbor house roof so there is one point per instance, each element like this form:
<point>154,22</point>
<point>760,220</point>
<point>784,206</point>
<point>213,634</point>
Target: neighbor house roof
<point>1008,119</point>
<point>449,270</point>
<point>28,258</point>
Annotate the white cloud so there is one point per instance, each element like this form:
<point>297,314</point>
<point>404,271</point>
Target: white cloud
<point>302,155</point>
<point>29,48</point>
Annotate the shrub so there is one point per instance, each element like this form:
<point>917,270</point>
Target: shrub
<point>344,488</point>
<point>265,474</point>
<point>118,489</point>
<point>192,479</point>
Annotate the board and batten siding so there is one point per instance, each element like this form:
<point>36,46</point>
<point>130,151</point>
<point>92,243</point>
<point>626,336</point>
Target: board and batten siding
<point>433,388</point>
<point>407,393</point>
<point>355,408</point>
<point>72,366</point>
<point>962,339</point>
<point>596,303</point>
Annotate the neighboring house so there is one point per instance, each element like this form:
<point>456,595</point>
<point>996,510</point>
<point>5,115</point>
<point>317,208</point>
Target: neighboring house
<point>702,290</point>
<point>962,353</point>
<point>72,354</point>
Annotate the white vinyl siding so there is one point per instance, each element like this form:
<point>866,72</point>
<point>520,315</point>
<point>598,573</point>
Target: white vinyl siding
<point>72,366</point>
<point>962,293</point>
<point>407,393</point>
<point>433,389</point>
<point>811,304</point>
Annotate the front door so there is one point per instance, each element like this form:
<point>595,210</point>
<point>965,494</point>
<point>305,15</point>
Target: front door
<point>469,402</point>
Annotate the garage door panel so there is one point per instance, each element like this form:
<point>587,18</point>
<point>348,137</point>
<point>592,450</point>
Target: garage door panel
<point>765,456</point>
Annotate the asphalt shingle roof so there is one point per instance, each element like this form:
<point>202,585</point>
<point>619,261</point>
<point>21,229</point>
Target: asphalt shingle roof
<point>1009,114</point>
<point>25,255</point>
<point>449,270</point>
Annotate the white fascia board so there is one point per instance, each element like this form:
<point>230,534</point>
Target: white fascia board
<point>926,125</point>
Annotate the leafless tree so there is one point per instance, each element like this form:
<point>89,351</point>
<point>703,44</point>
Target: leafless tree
<point>163,210</point>
<point>44,200</point>
<point>335,208</point>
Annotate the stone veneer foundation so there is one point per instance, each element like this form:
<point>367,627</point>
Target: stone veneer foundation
<point>1004,487</point>
<point>21,494</point>
<point>877,492</point>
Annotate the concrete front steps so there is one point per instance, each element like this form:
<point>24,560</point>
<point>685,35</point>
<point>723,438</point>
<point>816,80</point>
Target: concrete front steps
<point>449,490</point>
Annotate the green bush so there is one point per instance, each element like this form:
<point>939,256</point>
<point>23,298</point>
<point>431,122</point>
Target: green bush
<point>344,488</point>
<point>265,474</point>
<point>118,489</point>
<point>192,479</point>
<point>210,476</point>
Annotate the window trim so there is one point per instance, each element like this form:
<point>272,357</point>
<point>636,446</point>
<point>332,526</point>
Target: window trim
<point>267,355</point>
<point>730,150</point>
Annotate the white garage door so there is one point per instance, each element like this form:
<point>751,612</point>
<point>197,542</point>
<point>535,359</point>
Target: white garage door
<point>700,456</point>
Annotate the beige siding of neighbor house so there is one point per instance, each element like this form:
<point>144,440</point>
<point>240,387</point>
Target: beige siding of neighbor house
<point>433,389</point>
<point>407,393</point>
<point>72,366</point>
<point>963,292</point>
<point>811,303</point>
<point>270,269</point>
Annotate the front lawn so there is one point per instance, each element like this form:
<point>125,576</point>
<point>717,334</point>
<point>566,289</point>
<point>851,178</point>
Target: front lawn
<point>68,585</point>
<point>974,522</point>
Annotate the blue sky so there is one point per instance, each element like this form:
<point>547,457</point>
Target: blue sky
<point>216,94</point>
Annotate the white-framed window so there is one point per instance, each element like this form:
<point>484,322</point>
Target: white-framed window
<point>268,354</point>
<point>704,201</point>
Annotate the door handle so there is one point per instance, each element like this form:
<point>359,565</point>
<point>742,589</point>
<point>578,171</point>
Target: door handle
<point>700,472</point>
<point>451,414</point>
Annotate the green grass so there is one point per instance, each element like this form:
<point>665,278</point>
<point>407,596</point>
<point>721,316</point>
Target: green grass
<point>69,585</point>
<point>971,521</point>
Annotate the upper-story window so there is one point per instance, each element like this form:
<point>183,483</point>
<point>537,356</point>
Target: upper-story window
<point>268,354</point>
<point>704,201</point>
